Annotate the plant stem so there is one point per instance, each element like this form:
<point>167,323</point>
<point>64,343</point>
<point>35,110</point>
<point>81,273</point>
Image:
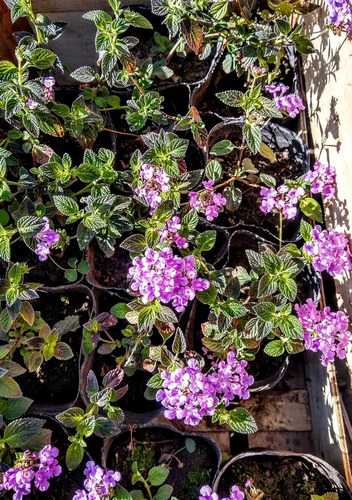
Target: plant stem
<point>120,133</point>
<point>84,190</point>
<point>147,487</point>
<point>173,50</point>
<point>280,230</point>
<point>56,264</point>
<point>142,91</point>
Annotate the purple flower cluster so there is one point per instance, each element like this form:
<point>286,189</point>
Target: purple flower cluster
<point>190,395</point>
<point>171,233</point>
<point>341,15</point>
<point>324,331</point>
<point>48,87</point>
<point>290,103</point>
<point>46,238</point>
<point>155,183</point>
<point>40,466</point>
<point>322,179</point>
<point>207,201</point>
<point>167,277</point>
<point>98,483</point>
<point>282,200</point>
<point>206,493</point>
<point>231,379</point>
<point>329,251</point>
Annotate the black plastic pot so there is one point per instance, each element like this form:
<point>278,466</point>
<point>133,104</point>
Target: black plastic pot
<point>186,470</point>
<point>68,482</point>
<point>292,152</point>
<point>63,373</point>
<point>329,479</point>
<point>137,409</point>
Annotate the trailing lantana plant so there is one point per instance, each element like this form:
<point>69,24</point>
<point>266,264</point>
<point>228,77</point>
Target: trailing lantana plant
<point>159,208</point>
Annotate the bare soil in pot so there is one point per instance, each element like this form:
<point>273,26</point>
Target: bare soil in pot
<point>189,69</point>
<point>281,476</point>
<point>291,162</point>
<point>153,446</point>
<point>56,382</point>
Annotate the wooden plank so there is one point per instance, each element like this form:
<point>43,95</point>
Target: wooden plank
<point>280,411</point>
<point>300,442</point>
<point>327,441</point>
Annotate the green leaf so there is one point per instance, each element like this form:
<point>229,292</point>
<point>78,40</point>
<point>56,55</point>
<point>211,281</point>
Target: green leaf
<point>84,235</point>
<point>15,274</point>
<point>272,263</point>
<point>253,136</point>
<point>214,170</point>
<point>233,98</point>
<point>267,152</point>
<point>163,212</point>
<point>135,243</point>
<point>15,408</point>
<point>190,220</point>
<point>305,230</point>
<point>86,427</point>
<point>267,286</point>
<point>83,267</point>
<point>35,359</point>
<point>29,225</point>
<point>92,384</point>
<point>158,475</point>
<point>233,197</point>
<point>8,71</point>
<point>156,382</point>
<point>20,431</point>
<point>120,310</point>
<point>106,427</point>
<point>164,492</point>
<point>42,58</point>
<point>66,205</point>
<point>205,241</point>
<point>234,309</point>
<point>265,310</point>
<point>190,445</point>
<point>74,456</point>
<point>179,344</point>
<point>84,74</point>
<point>121,494</point>
<point>71,275</point>
<point>146,318</point>
<point>303,44</point>
<point>288,288</point>
<point>218,10</point>
<point>51,125</point>
<point>9,388</point>
<point>222,148</point>
<point>71,417</point>
<point>209,296</point>
<point>63,351</point>
<point>311,208</point>
<point>291,327</point>
<point>242,421</point>
<point>268,180</point>
<point>274,348</point>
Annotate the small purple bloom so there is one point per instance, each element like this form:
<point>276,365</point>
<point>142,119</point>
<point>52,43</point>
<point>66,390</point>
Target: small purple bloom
<point>49,81</point>
<point>99,483</point>
<point>207,201</point>
<point>46,238</point>
<point>324,331</point>
<point>32,104</point>
<point>329,251</point>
